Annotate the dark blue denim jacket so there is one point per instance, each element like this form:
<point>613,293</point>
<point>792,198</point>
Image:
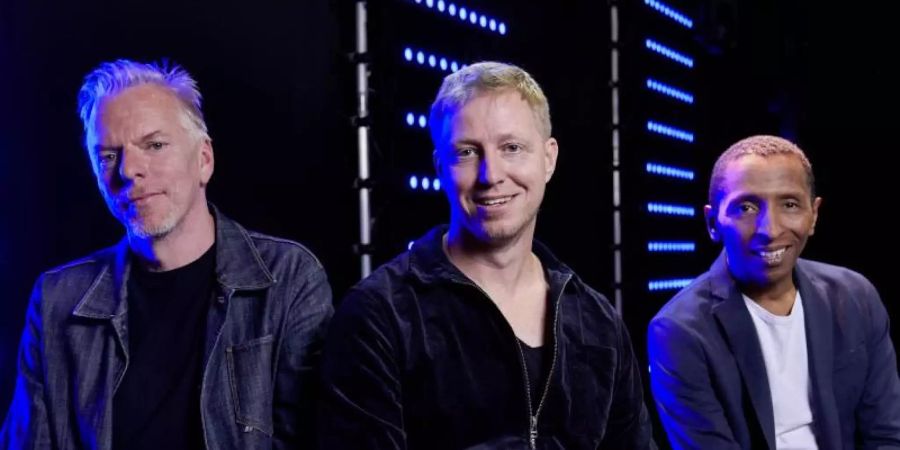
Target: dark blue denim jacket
<point>419,357</point>
<point>263,339</point>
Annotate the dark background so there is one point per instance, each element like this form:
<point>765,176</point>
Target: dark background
<point>279,95</point>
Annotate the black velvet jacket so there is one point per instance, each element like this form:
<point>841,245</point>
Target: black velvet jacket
<point>419,357</point>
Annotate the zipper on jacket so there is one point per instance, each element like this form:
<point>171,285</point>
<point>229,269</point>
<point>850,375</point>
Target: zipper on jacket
<point>534,414</point>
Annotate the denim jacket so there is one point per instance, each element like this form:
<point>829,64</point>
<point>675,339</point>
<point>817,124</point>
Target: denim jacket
<point>263,339</point>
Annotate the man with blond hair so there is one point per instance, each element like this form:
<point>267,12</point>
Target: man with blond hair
<point>767,350</point>
<point>191,332</point>
<point>478,337</point>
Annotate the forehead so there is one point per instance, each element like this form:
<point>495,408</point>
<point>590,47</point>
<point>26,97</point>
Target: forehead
<point>146,105</point>
<point>498,112</point>
<point>765,176</point>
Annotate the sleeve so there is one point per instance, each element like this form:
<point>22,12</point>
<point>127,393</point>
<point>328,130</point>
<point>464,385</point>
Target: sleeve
<point>629,423</point>
<point>878,412</point>
<point>679,378</point>
<point>26,425</point>
<point>296,377</point>
<point>361,389</point>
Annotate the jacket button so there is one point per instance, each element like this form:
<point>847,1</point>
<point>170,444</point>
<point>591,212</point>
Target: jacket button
<point>247,428</point>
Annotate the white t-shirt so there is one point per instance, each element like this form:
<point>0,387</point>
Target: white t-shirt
<point>783,343</point>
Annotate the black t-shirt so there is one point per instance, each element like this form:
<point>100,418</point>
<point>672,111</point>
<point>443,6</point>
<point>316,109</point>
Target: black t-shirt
<point>537,377</point>
<point>157,404</point>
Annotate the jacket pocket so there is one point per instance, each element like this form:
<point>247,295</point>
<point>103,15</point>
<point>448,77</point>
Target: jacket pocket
<point>251,375</point>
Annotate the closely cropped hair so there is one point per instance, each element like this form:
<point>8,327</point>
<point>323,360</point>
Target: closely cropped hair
<point>110,78</point>
<point>462,86</point>
<point>760,145</point>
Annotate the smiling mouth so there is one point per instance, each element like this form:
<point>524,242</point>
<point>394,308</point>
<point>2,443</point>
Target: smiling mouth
<point>772,258</point>
<point>493,201</point>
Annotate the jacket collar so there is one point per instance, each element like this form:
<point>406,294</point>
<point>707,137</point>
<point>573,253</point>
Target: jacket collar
<point>239,266</point>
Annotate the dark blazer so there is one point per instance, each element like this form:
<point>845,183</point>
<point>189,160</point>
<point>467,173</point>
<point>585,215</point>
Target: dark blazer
<point>709,379</point>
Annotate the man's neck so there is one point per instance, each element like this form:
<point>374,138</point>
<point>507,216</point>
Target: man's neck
<point>186,243</point>
<point>778,299</point>
<point>495,267</point>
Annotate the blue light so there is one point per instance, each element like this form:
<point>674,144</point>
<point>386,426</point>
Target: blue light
<point>670,209</point>
<point>409,246</point>
<point>463,13</point>
<point>482,21</point>
<point>669,171</point>
<point>670,12</point>
<point>441,5</point>
<point>451,9</point>
<point>454,67</point>
<point>493,25</point>
<point>432,61</point>
<point>408,54</point>
<point>670,91</point>
<point>429,3</point>
<point>420,57</point>
<point>502,28</point>
<point>670,284</point>
<point>413,182</point>
<point>436,184</point>
<point>443,63</point>
<point>425,184</point>
<point>473,17</point>
<point>410,119</point>
<point>671,247</point>
<point>668,53</point>
<point>423,122</point>
<point>670,131</point>
<point>419,1</point>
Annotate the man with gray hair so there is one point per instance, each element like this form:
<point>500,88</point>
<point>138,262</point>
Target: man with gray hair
<point>478,337</point>
<point>191,332</point>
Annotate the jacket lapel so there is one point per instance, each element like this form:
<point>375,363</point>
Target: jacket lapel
<point>819,335</point>
<point>737,325</point>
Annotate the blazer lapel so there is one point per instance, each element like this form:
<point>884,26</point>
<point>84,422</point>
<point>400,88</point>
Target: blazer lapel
<point>737,325</point>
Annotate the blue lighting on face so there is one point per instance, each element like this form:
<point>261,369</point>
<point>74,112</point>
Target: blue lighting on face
<point>670,12</point>
<point>670,131</point>
<point>668,171</point>
<point>413,182</point>
<point>670,209</point>
<point>669,53</point>
<point>670,284</point>
<point>670,91</point>
<point>671,246</point>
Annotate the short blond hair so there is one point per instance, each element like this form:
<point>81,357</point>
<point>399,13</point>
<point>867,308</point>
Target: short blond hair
<point>462,86</point>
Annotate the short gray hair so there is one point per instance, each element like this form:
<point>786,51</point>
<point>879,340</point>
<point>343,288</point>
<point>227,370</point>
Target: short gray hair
<point>110,78</point>
<point>462,86</point>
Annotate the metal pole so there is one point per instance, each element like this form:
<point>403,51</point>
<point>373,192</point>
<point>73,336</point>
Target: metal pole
<point>362,135</point>
<point>616,140</point>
